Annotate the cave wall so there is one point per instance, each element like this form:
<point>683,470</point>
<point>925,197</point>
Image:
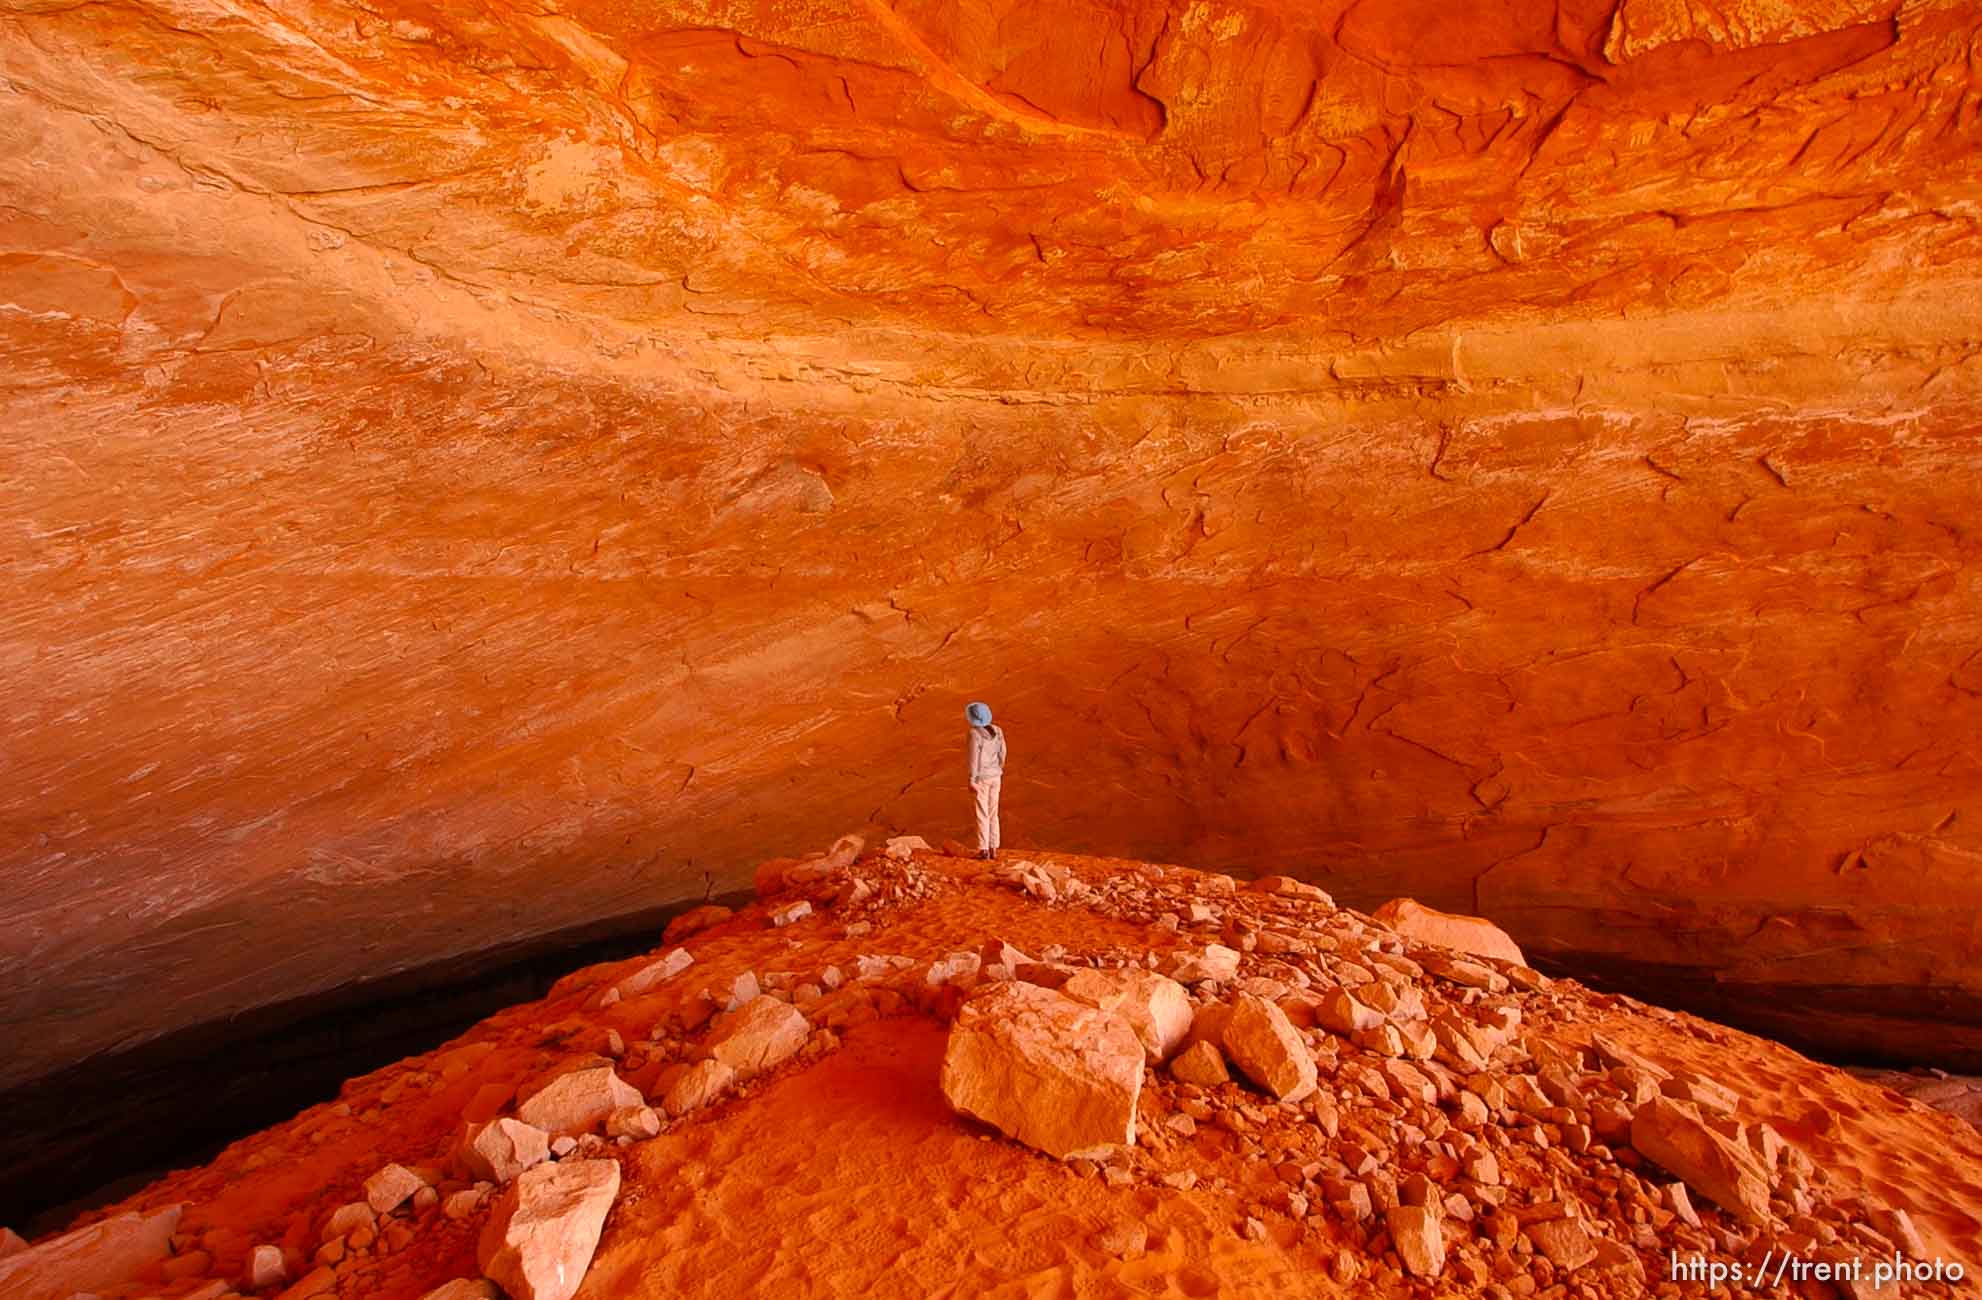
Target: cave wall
<point>476,469</point>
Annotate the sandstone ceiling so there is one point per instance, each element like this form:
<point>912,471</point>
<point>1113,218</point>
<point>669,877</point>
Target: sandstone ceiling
<point>477,468</point>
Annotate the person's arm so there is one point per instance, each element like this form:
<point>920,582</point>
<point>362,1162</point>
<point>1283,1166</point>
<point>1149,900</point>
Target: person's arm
<point>976,755</point>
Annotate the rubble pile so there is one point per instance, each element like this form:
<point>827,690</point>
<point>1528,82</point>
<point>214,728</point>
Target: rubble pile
<point>1421,1116</point>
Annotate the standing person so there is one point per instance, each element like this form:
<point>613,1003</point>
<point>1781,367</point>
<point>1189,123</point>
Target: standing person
<point>987,774</point>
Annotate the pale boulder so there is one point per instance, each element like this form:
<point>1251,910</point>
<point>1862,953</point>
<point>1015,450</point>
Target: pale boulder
<point>1053,1073</point>
<point>1565,1242</point>
<point>1341,1012</point>
<point>656,972</point>
<point>1157,1009</point>
<point>390,1187</point>
<point>542,1232</point>
<point>760,1035</point>
<point>901,847</point>
<point>1263,1044</point>
<point>579,1101</point>
<point>1215,962</point>
<point>501,1149</point>
<point>699,1085</point>
<point>266,1268</point>
<point>636,1122</point>
<point>1474,934</point>
<point>1419,1238</point>
<point>1673,1137</point>
<point>790,913</point>
<point>349,1218</point>
<point>99,1257</point>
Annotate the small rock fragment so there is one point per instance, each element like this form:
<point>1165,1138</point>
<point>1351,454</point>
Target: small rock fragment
<point>1419,1238</point>
<point>1261,1042</point>
<point>636,1122</point>
<point>387,1189</point>
<point>1202,1064</point>
<point>266,1268</point>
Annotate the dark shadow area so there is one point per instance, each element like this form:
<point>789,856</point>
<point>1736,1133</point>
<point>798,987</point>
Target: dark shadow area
<point>105,1127</point>
<point>1857,1024</point>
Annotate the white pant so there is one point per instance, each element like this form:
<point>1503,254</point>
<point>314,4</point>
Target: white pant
<point>987,812</point>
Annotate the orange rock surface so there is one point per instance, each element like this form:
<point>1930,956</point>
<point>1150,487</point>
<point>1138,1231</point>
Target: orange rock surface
<point>476,468</point>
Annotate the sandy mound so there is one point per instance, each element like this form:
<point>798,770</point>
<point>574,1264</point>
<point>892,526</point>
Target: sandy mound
<point>768,1086</point>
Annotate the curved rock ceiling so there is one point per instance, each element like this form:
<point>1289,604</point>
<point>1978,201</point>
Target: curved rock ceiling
<point>477,468</point>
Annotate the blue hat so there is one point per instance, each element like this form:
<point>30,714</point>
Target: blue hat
<point>979,713</point>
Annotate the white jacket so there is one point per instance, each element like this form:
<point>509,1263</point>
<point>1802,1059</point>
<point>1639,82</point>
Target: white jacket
<point>987,752</point>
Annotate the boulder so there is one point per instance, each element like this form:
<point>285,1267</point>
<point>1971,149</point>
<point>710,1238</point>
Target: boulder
<point>1341,1012</point>
<point>1157,1009</point>
<point>1056,1074</point>
<point>349,1218</point>
<point>957,968</point>
<point>845,852</point>
<point>1288,887</point>
<point>390,1187</point>
<point>1473,934</point>
<point>1897,1227</point>
<point>578,1102</point>
<point>265,1268</point>
<point>759,1035</point>
<point>1684,1085</point>
<point>1617,1056</point>
<point>900,847</point>
<point>1216,962</point>
<point>1565,1242</point>
<point>541,1234</point>
<point>1673,1137</point>
<point>1202,1064</point>
<point>790,913</point>
<point>1263,1044</point>
<point>464,1203</point>
<point>636,1122</point>
<point>698,1085</point>
<point>99,1257</point>
<point>501,1149</point>
<point>658,971</point>
<point>1419,1237</point>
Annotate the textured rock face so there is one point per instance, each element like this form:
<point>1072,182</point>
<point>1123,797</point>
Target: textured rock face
<point>465,460</point>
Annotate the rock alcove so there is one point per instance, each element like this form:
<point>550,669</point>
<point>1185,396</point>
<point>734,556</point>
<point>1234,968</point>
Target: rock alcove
<point>477,470</point>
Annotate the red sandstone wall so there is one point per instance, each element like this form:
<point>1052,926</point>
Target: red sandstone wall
<point>473,470</point>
